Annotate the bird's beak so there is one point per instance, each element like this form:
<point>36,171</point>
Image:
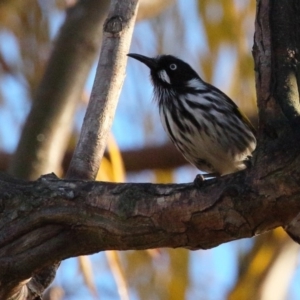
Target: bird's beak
<point>149,62</point>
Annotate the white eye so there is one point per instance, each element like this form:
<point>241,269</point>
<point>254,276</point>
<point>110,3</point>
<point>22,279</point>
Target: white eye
<point>173,67</point>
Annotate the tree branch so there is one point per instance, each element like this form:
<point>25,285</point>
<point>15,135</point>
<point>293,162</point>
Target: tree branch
<point>45,134</point>
<point>276,55</point>
<point>286,64</point>
<point>39,217</point>
<point>107,86</point>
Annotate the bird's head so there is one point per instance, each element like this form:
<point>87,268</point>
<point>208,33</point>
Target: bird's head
<point>168,71</point>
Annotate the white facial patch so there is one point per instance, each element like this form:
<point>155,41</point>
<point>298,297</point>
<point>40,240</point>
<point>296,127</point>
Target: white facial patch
<point>164,76</point>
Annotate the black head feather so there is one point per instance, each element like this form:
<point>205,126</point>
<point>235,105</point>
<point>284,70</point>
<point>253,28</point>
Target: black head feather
<point>168,70</point>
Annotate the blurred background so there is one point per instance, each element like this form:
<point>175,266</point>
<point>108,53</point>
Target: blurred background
<point>48,57</point>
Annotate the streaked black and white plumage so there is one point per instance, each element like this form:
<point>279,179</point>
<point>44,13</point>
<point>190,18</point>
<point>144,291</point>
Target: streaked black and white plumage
<point>205,125</point>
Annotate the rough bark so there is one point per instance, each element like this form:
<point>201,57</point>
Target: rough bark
<point>39,217</point>
<point>48,220</point>
<point>276,54</point>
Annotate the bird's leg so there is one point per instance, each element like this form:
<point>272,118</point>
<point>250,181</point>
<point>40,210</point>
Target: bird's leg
<point>199,179</point>
<point>248,162</point>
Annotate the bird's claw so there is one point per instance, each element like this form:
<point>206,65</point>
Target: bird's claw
<point>199,179</point>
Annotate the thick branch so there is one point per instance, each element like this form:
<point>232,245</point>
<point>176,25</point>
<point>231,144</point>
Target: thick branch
<point>39,217</point>
<point>274,35</point>
<point>286,63</point>
<point>276,54</point>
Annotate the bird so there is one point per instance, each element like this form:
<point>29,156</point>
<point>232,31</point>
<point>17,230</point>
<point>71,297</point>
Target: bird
<point>205,125</point>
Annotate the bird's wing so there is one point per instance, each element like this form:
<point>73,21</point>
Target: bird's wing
<point>235,109</point>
